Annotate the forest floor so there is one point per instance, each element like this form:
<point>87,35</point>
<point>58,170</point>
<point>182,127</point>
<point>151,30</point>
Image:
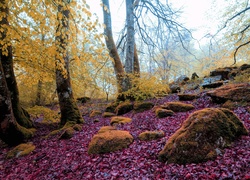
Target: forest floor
<point>68,159</point>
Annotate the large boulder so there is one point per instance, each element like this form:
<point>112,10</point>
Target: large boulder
<point>109,140</point>
<point>124,108</point>
<point>187,97</point>
<point>233,92</point>
<point>203,136</point>
<point>223,72</point>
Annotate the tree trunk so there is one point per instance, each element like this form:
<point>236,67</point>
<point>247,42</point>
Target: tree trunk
<point>20,114</point>
<point>39,93</point>
<point>118,67</point>
<point>10,131</point>
<point>136,63</point>
<point>129,62</point>
<point>67,103</point>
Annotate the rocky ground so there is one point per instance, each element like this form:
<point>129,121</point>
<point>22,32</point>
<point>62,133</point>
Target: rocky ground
<point>69,159</point>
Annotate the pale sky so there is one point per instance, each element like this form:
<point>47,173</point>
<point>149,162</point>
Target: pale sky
<point>194,14</point>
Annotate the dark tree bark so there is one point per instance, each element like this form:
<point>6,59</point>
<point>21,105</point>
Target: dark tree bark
<point>11,113</point>
<point>39,93</point>
<point>118,67</point>
<point>20,114</point>
<point>68,106</point>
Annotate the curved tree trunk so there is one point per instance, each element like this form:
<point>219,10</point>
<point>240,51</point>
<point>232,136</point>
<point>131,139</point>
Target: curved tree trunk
<point>11,131</point>
<point>68,106</point>
<point>118,67</point>
<point>20,114</point>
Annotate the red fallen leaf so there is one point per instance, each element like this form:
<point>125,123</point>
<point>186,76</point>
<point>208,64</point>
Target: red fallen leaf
<point>247,177</point>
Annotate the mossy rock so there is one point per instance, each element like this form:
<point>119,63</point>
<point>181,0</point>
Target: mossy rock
<point>161,113</point>
<point>233,92</point>
<point>108,114</point>
<point>178,106</point>
<point>46,115</point>
<point>187,97</point>
<point>123,108</point>
<point>106,128</point>
<point>151,135</point>
<point>109,141</point>
<point>21,150</point>
<point>95,113</point>
<point>202,136</point>
<point>67,133</point>
<point>111,107</point>
<point>120,120</point>
<point>143,106</point>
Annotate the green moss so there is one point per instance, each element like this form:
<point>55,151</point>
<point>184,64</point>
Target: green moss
<point>161,113</point>
<point>49,116</point>
<point>67,133</point>
<point>178,106</point>
<point>123,108</point>
<point>21,150</point>
<point>106,128</point>
<point>151,135</point>
<point>111,107</point>
<point>201,134</point>
<point>109,141</point>
<point>143,106</point>
<point>95,113</point>
<point>120,120</point>
<point>108,114</point>
<point>77,127</point>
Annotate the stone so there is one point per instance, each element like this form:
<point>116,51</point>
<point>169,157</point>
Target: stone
<point>109,141</point>
<point>233,92</point>
<point>95,113</point>
<point>151,135</point>
<point>83,99</point>
<point>174,88</point>
<point>202,136</point>
<point>223,72</point>
<point>181,80</point>
<point>124,108</point>
<point>187,97</point>
<point>178,106</point>
<point>143,106</point>
<point>108,114</point>
<point>212,82</point>
<point>120,120</point>
<point>161,113</point>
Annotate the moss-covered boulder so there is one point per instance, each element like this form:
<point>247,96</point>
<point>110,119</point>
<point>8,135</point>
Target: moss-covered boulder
<point>123,108</point>
<point>111,107</point>
<point>106,128</point>
<point>233,92</point>
<point>161,113</point>
<point>120,120</point>
<point>109,141</point>
<point>21,150</point>
<point>151,135</point>
<point>178,106</point>
<point>187,97</point>
<point>44,115</point>
<point>202,136</point>
<point>143,106</point>
<point>108,114</point>
<point>95,113</point>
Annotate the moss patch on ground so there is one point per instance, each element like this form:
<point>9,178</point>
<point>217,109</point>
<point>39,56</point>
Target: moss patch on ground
<point>21,150</point>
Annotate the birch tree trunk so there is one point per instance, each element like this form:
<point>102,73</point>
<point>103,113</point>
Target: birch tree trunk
<point>118,67</point>
<point>129,61</point>
<point>67,103</point>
